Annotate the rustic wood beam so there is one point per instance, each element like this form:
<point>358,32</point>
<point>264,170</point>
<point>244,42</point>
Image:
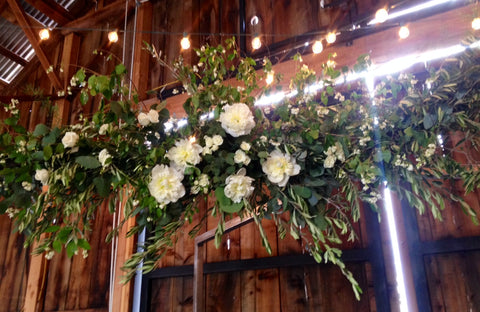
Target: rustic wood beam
<point>111,12</point>
<point>53,10</point>
<point>9,54</point>
<point>32,37</point>
<point>141,59</point>
<point>71,51</point>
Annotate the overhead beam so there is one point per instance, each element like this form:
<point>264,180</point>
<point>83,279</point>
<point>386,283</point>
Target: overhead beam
<point>32,37</point>
<point>9,54</point>
<point>113,11</point>
<point>53,10</point>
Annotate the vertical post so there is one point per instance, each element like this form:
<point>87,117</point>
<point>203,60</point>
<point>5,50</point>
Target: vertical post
<point>198,281</point>
<point>243,28</point>
<point>416,258</point>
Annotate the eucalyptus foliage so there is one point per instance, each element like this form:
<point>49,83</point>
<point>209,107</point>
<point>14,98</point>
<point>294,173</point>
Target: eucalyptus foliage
<point>342,145</point>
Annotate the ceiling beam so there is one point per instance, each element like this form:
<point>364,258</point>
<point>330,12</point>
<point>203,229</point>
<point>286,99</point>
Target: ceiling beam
<point>9,54</point>
<point>53,10</point>
<point>112,12</point>
<point>32,37</point>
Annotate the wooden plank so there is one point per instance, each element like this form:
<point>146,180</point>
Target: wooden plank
<point>53,10</point>
<point>141,56</point>
<point>228,299</point>
<point>32,37</point>
<point>267,290</point>
<point>114,11</point>
<point>14,57</point>
<point>70,53</point>
<point>293,294</point>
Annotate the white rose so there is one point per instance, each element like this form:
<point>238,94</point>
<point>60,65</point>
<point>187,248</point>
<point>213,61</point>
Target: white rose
<point>27,186</point>
<point>184,154</point>
<point>143,119</point>
<point>201,184</point>
<point>280,167</point>
<point>208,141</point>
<point>42,176</point>
<point>240,157</point>
<point>217,140</point>
<point>237,119</point>
<point>245,146</point>
<point>103,156</point>
<point>329,161</point>
<point>70,139</point>
<point>153,116</point>
<point>103,129</point>
<point>238,186</point>
<point>166,185</point>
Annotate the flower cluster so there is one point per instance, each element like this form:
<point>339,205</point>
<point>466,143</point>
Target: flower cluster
<point>334,153</point>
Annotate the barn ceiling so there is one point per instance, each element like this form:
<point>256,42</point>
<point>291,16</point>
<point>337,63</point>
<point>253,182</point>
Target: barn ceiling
<point>21,20</point>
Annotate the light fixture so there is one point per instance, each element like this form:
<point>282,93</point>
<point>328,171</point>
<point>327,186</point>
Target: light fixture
<point>270,77</point>
<point>254,20</point>
<point>113,36</point>
<point>404,32</point>
<point>381,15</point>
<point>44,34</point>
<point>192,139</point>
<point>476,23</point>
<point>256,42</point>
<point>185,42</point>
<point>317,47</point>
<point>331,37</point>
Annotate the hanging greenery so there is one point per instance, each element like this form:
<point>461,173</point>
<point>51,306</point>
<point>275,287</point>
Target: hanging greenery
<point>315,155</point>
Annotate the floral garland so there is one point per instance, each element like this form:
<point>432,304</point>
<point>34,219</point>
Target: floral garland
<point>316,155</point>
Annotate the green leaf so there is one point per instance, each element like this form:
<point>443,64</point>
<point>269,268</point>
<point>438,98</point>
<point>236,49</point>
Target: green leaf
<point>226,203</point>
<point>120,69</point>
<point>429,121</point>
<point>82,243</point>
<point>88,162</point>
<point>71,249</point>
<point>302,191</point>
<point>51,137</point>
<point>52,229</point>
<point>47,152</point>
<point>102,186</point>
<point>57,245</point>
<point>83,97</point>
<point>40,130</point>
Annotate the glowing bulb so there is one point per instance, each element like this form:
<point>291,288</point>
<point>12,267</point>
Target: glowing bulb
<point>476,23</point>
<point>404,32</point>
<point>256,43</point>
<point>113,36</point>
<point>185,43</point>
<point>270,77</point>
<point>317,47</point>
<point>44,34</point>
<point>192,139</point>
<point>331,37</point>
<point>381,15</point>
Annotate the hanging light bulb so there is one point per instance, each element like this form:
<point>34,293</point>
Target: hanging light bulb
<point>317,47</point>
<point>256,42</point>
<point>185,42</point>
<point>404,32</point>
<point>331,37</point>
<point>113,36</point>
<point>270,77</point>
<point>381,15</point>
<point>476,23</point>
<point>44,34</point>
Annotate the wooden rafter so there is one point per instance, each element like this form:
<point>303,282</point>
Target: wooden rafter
<point>9,54</point>
<point>113,11</point>
<point>53,10</point>
<point>32,37</point>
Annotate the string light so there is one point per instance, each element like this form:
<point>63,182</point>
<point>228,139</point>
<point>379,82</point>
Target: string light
<point>256,42</point>
<point>270,77</point>
<point>185,42</point>
<point>404,32</point>
<point>192,139</point>
<point>113,36</point>
<point>317,47</point>
<point>331,37</point>
<point>44,34</point>
<point>476,23</point>
<point>381,15</point>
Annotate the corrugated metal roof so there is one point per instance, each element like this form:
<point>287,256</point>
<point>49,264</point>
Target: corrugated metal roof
<point>13,39</point>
